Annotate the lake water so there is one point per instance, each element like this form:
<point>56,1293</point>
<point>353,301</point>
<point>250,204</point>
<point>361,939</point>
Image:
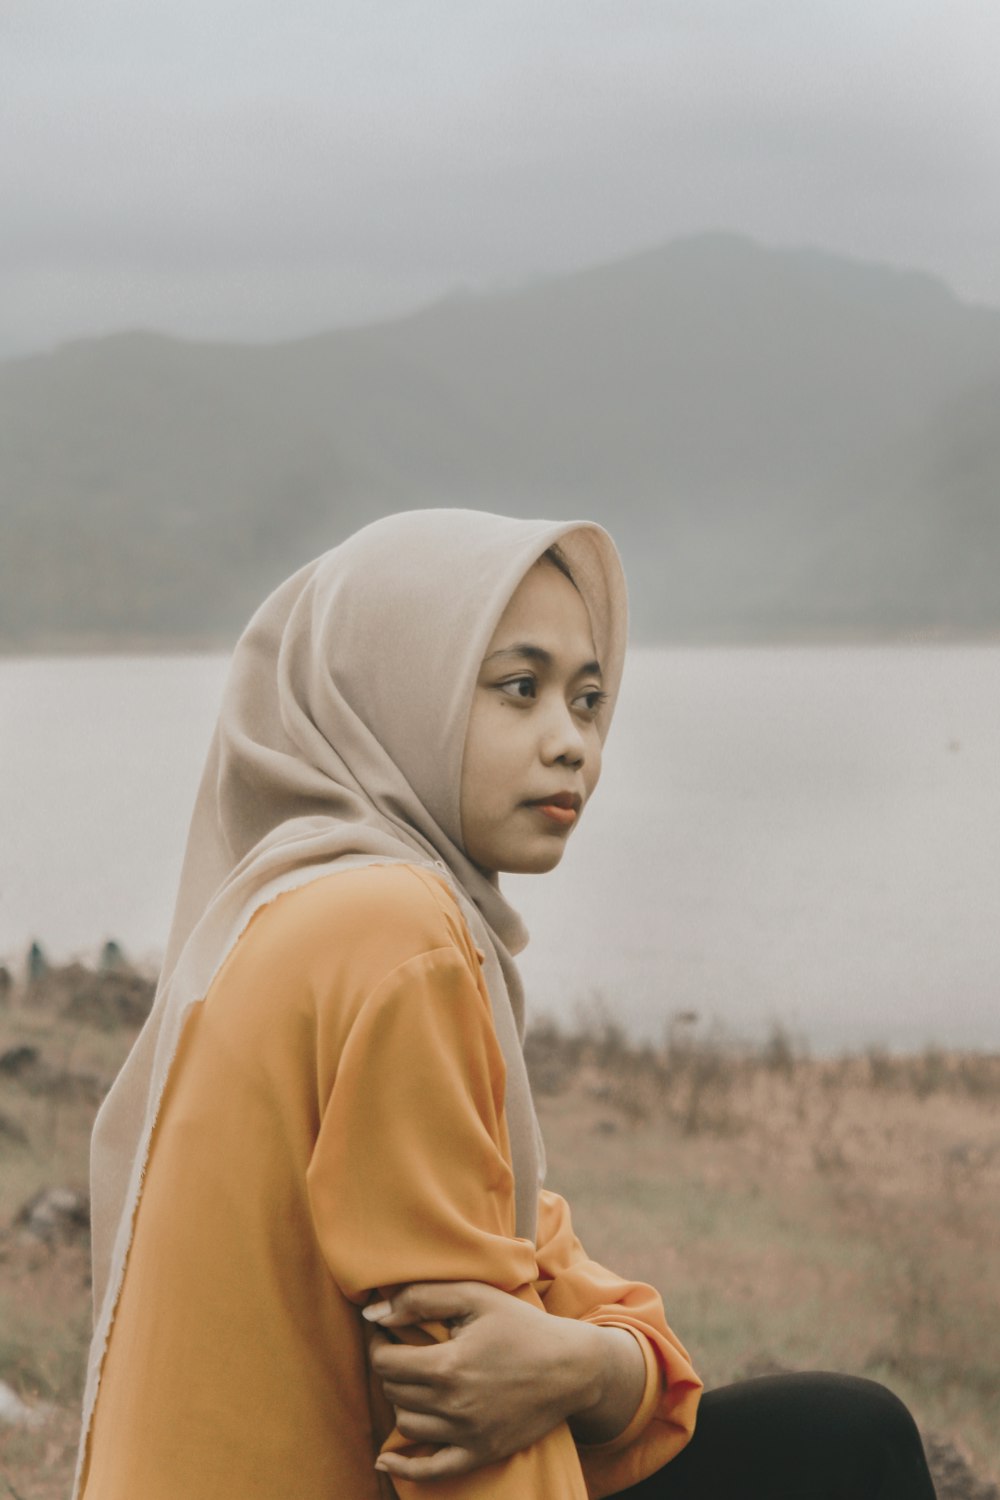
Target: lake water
<point>809,836</point>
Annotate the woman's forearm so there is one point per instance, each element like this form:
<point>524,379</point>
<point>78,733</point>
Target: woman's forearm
<point>505,1377</point>
<point>613,1371</point>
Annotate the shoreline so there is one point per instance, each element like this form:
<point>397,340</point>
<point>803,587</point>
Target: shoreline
<point>89,975</point>
<point>59,645</point>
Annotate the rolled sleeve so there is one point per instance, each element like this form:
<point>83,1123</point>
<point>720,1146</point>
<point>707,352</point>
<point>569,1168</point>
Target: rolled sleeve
<point>573,1286</point>
<point>410,1179</point>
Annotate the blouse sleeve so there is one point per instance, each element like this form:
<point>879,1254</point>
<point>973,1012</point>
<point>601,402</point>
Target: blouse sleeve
<point>573,1286</point>
<point>410,1178</point>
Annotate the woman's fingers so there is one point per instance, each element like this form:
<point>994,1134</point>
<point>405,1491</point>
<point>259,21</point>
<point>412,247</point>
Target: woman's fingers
<point>426,1302</point>
<point>425,1427</point>
<point>411,1397</point>
<point>444,1464</point>
<point>411,1364</point>
<point>505,1374</point>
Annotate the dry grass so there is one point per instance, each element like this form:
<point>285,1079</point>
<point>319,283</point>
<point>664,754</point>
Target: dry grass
<point>796,1213</point>
<point>54,1069</point>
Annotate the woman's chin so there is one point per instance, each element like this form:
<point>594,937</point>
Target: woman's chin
<point>535,861</point>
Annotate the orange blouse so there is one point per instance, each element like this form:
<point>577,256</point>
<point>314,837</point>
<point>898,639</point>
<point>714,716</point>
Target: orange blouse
<point>333,1127</point>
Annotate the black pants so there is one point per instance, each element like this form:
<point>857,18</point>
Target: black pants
<point>797,1437</point>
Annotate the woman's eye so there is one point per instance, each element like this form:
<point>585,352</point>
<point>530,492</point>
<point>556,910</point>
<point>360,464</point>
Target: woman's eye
<point>592,700</point>
<point>518,687</point>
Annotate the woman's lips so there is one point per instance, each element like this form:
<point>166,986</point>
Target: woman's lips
<point>564,815</point>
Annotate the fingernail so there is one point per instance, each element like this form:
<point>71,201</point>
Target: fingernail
<point>376,1311</point>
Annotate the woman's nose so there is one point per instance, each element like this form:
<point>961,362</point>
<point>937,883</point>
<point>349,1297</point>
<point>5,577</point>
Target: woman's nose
<point>562,739</point>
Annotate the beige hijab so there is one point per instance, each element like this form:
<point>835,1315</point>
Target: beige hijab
<point>339,742</point>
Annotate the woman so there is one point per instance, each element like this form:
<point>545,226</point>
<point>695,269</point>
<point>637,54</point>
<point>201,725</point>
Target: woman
<point>323,1263</point>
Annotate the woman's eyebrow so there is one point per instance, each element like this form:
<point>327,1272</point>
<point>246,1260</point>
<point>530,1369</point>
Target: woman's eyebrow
<point>544,658</point>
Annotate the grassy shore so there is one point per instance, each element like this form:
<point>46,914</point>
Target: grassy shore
<point>796,1213</point>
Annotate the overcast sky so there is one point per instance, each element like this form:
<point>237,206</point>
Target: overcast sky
<point>252,169</point>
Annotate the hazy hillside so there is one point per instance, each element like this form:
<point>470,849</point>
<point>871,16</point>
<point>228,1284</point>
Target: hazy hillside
<point>780,442</point>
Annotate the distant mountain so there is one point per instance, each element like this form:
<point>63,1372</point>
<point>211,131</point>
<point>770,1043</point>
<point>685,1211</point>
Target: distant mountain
<point>782,442</point>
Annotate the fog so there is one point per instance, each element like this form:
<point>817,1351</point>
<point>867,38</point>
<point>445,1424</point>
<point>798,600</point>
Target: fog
<point>255,171</point>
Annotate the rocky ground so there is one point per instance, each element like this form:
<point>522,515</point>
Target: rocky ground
<point>839,1214</point>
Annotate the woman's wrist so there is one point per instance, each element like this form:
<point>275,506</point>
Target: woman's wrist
<point>612,1381</point>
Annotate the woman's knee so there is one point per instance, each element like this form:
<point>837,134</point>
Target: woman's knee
<point>889,1417</point>
<point>848,1417</point>
<point>888,1440</point>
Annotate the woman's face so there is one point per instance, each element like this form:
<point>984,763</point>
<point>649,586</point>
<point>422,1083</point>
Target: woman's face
<point>532,731</point>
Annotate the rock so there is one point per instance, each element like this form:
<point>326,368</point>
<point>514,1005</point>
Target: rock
<point>16,1413</point>
<point>954,1477</point>
<point>17,1061</point>
<point>55,1215</point>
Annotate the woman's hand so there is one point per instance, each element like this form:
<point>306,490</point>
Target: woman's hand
<point>507,1375</point>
